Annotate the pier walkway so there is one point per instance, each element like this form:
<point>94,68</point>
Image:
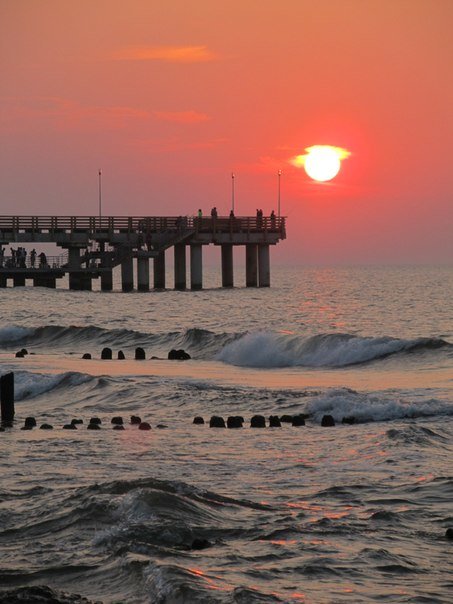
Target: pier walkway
<point>93,246</point>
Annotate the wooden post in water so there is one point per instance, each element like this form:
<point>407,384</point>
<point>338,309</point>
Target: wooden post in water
<point>7,397</point>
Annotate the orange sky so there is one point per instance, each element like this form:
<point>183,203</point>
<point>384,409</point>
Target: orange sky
<point>169,98</point>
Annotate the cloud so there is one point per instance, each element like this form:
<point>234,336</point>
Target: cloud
<point>299,160</point>
<point>170,54</point>
<point>175,145</point>
<point>65,114</point>
<point>181,117</point>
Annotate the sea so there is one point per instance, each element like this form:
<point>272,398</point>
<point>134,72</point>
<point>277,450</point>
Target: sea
<point>188,513</point>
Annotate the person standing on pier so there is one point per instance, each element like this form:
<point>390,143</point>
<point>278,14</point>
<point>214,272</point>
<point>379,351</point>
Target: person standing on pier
<point>32,258</point>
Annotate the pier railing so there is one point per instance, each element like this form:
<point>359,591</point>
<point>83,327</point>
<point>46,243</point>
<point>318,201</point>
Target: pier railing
<point>28,262</point>
<point>144,224</point>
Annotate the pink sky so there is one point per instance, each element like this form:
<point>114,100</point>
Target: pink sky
<point>169,98</point>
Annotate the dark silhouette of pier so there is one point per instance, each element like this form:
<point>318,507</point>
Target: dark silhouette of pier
<point>93,246</point>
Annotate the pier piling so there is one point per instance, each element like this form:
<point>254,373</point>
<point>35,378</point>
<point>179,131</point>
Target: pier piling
<point>7,397</point>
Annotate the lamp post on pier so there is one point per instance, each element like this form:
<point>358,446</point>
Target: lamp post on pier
<point>232,192</point>
<point>100,193</point>
<point>279,189</point>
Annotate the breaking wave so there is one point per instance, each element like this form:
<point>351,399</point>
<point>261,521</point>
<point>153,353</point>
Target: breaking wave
<point>268,349</point>
<point>204,343</point>
<point>365,407</point>
<point>29,385</point>
<point>252,349</point>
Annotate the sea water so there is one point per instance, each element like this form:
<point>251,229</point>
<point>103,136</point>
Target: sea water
<point>187,513</point>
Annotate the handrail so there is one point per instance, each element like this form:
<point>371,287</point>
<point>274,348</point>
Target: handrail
<point>37,263</point>
<point>142,224</point>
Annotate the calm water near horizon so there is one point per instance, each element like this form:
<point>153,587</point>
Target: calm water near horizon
<point>351,513</point>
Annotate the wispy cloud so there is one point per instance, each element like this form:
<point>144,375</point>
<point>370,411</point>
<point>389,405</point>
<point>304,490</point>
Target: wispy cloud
<point>299,160</point>
<point>173,145</point>
<point>170,54</point>
<point>181,117</point>
<point>66,114</point>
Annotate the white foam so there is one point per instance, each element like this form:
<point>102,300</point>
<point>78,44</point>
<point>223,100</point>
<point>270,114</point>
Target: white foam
<point>269,349</point>
<point>343,402</point>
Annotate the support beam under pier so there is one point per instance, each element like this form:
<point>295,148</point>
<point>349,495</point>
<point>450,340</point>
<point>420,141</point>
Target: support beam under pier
<point>127,273</point>
<point>264,270</point>
<point>107,275</point>
<point>196,266</point>
<point>45,281</point>
<point>251,265</point>
<point>19,280</point>
<point>159,271</point>
<point>142,274</point>
<point>227,265</point>
<point>78,280</point>
<point>180,266</point>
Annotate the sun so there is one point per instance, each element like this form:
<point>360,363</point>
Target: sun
<point>321,162</point>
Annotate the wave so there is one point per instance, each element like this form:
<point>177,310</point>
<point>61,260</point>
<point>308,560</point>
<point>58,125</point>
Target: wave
<point>252,349</point>
<point>30,385</point>
<point>204,343</point>
<point>270,349</point>
<point>344,402</point>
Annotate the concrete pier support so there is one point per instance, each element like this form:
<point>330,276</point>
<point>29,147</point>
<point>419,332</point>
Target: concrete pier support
<point>107,281</point>
<point>19,280</point>
<point>196,266</point>
<point>7,398</point>
<point>180,266</point>
<point>142,274</point>
<point>107,274</point>
<point>159,271</point>
<point>127,273</point>
<point>44,281</point>
<point>227,265</point>
<point>251,265</point>
<point>264,270</point>
<point>74,262</point>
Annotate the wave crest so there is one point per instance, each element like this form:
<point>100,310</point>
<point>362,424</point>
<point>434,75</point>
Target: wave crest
<point>270,349</point>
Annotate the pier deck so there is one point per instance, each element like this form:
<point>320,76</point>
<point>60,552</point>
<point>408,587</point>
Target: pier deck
<point>96,245</point>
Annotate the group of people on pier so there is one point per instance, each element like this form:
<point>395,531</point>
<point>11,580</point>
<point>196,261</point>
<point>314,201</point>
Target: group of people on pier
<point>18,258</point>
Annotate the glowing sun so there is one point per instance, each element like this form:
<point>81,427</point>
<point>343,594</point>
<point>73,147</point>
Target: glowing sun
<point>321,162</point>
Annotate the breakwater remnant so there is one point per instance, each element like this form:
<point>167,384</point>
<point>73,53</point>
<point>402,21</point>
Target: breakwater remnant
<point>178,355</point>
<point>139,355</point>
<point>327,421</point>
<point>235,421</point>
<point>258,421</point>
<point>275,421</point>
<point>217,422</point>
<point>7,399</point>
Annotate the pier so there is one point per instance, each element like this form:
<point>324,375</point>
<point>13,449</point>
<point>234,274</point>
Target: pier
<point>93,246</point>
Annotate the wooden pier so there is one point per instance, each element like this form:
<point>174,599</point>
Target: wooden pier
<point>93,246</point>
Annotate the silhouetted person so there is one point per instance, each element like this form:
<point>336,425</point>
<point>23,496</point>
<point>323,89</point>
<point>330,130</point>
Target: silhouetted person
<point>273,219</point>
